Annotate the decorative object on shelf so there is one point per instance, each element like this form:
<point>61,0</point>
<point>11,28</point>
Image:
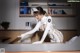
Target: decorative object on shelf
<point>5,25</point>
<point>25,10</point>
<point>53,4</point>
<point>50,11</point>
<point>28,25</point>
<point>58,11</point>
<point>23,3</point>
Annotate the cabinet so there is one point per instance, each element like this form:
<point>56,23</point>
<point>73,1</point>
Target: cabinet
<point>10,36</point>
<point>55,9</point>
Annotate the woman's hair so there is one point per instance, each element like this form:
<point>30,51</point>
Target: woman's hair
<point>40,11</point>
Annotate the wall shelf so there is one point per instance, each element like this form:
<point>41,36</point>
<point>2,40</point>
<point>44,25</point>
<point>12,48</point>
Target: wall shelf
<point>25,8</point>
<point>62,15</point>
<point>26,15</point>
<point>53,15</point>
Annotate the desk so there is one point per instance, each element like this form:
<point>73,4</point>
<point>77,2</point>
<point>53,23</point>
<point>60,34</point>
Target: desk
<point>48,52</point>
<point>68,34</point>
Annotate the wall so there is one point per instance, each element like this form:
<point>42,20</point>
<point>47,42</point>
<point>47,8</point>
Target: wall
<point>10,12</point>
<point>78,16</point>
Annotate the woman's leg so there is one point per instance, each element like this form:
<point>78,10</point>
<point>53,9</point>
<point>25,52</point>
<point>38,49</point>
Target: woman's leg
<point>58,36</point>
<point>25,39</point>
<point>52,39</point>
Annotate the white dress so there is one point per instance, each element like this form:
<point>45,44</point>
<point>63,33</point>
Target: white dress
<point>46,25</point>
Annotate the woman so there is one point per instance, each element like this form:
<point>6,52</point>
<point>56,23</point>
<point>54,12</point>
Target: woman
<point>44,23</point>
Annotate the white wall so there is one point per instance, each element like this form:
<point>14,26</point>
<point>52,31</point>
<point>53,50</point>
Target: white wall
<point>10,12</point>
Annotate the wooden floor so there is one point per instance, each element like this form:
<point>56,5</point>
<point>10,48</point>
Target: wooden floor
<point>46,52</point>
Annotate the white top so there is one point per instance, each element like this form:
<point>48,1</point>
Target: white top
<point>45,24</point>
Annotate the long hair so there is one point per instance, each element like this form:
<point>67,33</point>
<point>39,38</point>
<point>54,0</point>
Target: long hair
<point>40,11</point>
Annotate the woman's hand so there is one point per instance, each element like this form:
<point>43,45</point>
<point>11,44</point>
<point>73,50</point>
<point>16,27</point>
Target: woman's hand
<point>21,37</point>
<point>37,42</point>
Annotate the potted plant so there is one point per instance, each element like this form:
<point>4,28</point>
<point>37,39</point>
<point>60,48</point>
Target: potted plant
<point>5,25</point>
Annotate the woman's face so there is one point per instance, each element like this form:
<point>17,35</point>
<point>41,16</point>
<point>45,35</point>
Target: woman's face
<point>38,17</point>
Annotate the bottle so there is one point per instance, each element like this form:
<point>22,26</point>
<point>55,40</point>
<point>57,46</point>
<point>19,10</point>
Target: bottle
<point>49,11</point>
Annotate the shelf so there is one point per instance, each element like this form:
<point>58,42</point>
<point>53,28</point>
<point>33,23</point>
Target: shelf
<point>37,0</point>
<point>62,15</point>
<point>55,7</point>
<point>35,6</point>
<point>58,6</point>
<point>53,15</point>
<point>26,15</point>
<point>46,1</point>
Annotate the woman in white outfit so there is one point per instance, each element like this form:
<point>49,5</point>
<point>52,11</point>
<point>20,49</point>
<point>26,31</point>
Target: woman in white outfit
<point>44,23</point>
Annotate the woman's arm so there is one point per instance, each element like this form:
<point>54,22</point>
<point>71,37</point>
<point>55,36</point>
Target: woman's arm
<point>44,35</point>
<point>35,29</point>
<point>32,31</point>
<point>48,21</point>
<point>45,32</point>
